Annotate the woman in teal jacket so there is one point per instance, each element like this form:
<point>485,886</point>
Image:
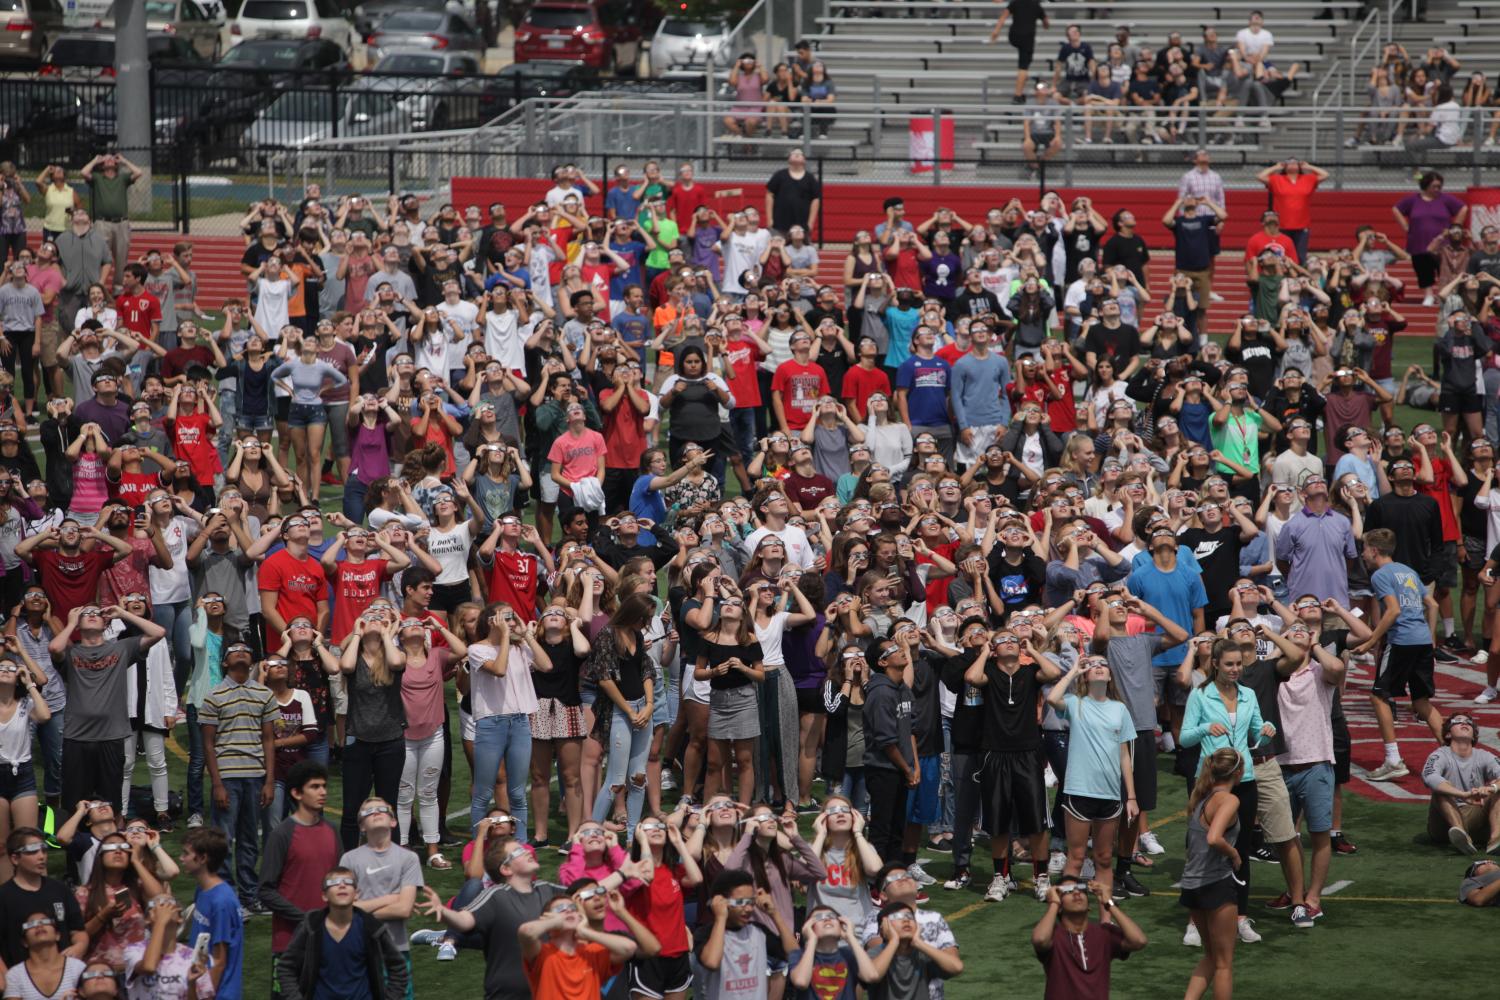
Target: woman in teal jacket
<point>1221,712</point>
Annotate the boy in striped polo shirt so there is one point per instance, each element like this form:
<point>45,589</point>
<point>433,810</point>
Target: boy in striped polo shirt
<point>238,743</point>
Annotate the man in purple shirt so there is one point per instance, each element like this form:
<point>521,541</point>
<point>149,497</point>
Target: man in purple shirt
<point>1313,549</point>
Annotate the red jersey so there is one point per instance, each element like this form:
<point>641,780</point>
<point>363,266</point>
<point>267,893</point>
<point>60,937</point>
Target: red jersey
<point>71,581</point>
<point>658,905</point>
<point>138,312</point>
<point>1441,490</point>
<point>514,578</point>
<point>193,442</point>
<point>624,434</point>
<point>684,201</point>
<point>1063,411</point>
<point>134,487</point>
<point>298,585</point>
<point>355,585</point>
<point>800,386</point>
<point>743,356</point>
<point>951,353</point>
<point>859,384</point>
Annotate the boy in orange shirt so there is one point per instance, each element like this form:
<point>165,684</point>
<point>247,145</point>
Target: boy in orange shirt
<point>565,958</point>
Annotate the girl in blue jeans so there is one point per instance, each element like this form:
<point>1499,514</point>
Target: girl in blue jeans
<point>502,699</point>
<point>622,713</point>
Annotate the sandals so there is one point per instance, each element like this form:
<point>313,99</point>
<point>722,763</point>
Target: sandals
<point>438,862</point>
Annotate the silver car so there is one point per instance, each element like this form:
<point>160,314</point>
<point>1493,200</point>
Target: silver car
<point>684,45</point>
<point>433,30</point>
<point>195,22</point>
<point>439,90</point>
<point>301,118</point>
<point>26,26</point>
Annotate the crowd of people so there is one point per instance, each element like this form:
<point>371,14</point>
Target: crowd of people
<point>636,509</point>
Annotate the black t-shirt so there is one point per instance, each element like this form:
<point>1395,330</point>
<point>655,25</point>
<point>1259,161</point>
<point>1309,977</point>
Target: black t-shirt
<point>1017,585</point>
<point>1120,344</point>
<point>1024,15</point>
<point>749,655</point>
<point>1418,525</point>
<point>632,679</point>
<point>792,198</point>
<point>1481,261</point>
<point>1471,520</point>
<point>1130,251</point>
<point>1255,355</point>
<point>1262,678</point>
<point>255,254</point>
<point>967,726</point>
<point>561,682</point>
<point>16,904</point>
<point>1218,554</point>
<point>1078,244</point>
<point>1010,708</point>
<point>835,364</point>
<point>927,712</point>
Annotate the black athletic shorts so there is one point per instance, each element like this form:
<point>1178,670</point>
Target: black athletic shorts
<point>1343,745</point>
<point>1405,669</point>
<point>1017,792</point>
<point>1090,810</point>
<point>1458,401</point>
<point>1025,46</point>
<point>1224,892</point>
<point>1143,769</point>
<point>656,977</point>
<point>810,701</point>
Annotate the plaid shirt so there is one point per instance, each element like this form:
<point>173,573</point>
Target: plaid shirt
<point>1202,184</point>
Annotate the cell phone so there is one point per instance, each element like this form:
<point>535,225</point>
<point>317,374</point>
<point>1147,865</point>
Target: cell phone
<point>200,950</point>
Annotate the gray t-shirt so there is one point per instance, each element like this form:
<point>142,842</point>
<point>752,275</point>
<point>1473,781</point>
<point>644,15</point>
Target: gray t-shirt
<point>223,573</point>
<point>1468,885</point>
<point>164,286</point>
<point>20,308</point>
<point>96,676</point>
<point>847,897</point>
<point>1479,768</point>
<point>907,977</point>
<point>82,371</point>
<point>499,912</point>
<point>1129,659</point>
<point>381,873</point>
<point>376,714</point>
<point>307,380</point>
<point>741,974</point>
<point>331,296</point>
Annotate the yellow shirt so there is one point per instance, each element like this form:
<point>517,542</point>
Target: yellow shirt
<point>59,202</point>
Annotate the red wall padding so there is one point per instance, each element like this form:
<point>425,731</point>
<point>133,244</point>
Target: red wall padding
<point>850,206</point>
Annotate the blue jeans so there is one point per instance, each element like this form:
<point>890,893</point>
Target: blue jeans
<point>49,733</point>
<point>853,789</point>
<point>354,499</point>
<point>177,619</point>
<point>628,749</point>
<point>241,824</point>
<point>742,430</point>
<point>497,738</point>
<point>195,764</point>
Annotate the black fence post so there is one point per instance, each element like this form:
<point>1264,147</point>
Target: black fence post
<point>390,170</point>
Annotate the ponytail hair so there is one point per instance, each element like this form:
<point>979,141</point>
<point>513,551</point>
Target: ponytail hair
<point>1222,765</point>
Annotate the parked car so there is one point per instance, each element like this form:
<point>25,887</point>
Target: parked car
<point>292,19</point>
<point>187,19</point>
<point>439,89</point>
<point>368,15</point>
<point>580,32</point>
<point>684,45</point>
<point>39,123</point>
<point>302,118</point>
<point>434,30</point>
<point>90,54</point>
<point>519,81</point>
<point>26,26</point>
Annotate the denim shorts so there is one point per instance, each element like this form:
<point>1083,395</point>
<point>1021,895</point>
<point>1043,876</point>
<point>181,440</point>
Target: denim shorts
<point>17,780</point>
<point>1311,794</point>
<point>307,414</point>
<point>259,422</point>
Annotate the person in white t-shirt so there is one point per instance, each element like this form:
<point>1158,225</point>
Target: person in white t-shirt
<point>159,968</point>
<point>1254,41</point>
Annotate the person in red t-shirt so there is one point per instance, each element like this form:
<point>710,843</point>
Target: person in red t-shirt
<point>1292,183</point>
<point>129,482</point>
<point>1062,408</point>
<point>193,431</point>
<point>1075,951</point>
<point>515,577</point>
<point>292,583</point>
<point>742,350</point>
<point>624,406</point>
<point>70,573</point>
<point>139,310</point>
<point>1435,463</point>
<point>865,379</point>
<point>1270,235</point>
<point>356,579</point>
<point>797,386</point>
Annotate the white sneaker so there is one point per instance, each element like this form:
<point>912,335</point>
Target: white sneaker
<point>1049,779</point>
<point>1389,771</point>
<point>1482,657</point>
<point>1486,696</point>
<point>195,821</point>
<point>1191,937</point>
<point>1043,883</point>
<point>919,874</point>
<point>447,951</point>
<point>427,936</point>
<point>1214,297</point>
<point>998,890</point>
<point>1429,299</point>
<point>1459,838</point>
<point>668,783</point>
<point>1056,862</point>
<point>1150,844</point>
<point>1247,932</point>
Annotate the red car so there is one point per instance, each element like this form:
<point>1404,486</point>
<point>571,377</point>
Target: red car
<point>591,33</point>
